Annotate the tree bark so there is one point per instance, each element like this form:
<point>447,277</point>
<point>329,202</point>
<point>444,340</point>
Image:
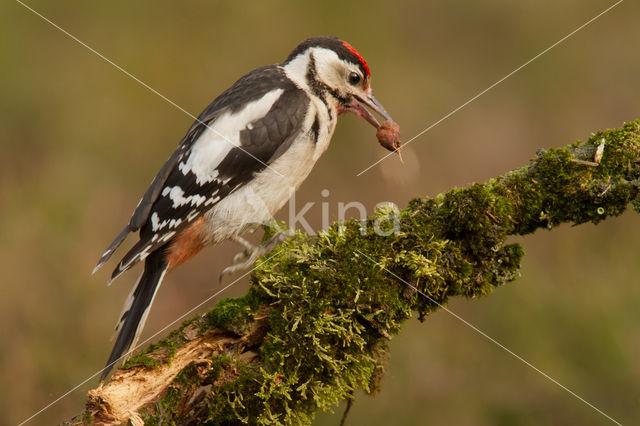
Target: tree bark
<point>315,323</point>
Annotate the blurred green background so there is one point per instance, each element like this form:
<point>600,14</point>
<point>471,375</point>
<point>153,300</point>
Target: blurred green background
<point>80,142</point>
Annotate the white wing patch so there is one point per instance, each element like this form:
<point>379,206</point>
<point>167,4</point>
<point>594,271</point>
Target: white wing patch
<point>192,215</point>
<point>156,225</point>
<point>167,237</point>
<point>177,196</point>
<point>212,200</point>
<point>222,136</point>
<point>205,156</point>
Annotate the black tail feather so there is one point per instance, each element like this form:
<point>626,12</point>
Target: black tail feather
<point>133,318</point>
<point>137,253</point>
<point>112,247</point>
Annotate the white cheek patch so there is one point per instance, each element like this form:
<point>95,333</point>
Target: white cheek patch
<point>328,65</point>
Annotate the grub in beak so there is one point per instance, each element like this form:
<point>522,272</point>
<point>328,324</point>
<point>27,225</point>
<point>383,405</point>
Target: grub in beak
<point>388,135</point>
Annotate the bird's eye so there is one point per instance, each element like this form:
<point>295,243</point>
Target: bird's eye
<point>354,78</point>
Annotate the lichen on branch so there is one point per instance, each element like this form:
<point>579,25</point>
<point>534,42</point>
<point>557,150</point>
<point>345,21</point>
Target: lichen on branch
<point>315,323</point>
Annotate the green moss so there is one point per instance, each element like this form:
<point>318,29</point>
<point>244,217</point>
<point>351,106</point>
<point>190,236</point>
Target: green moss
<point>333,301</point>
<point>180,392</point>
<point>87,418</point>
<point>141,360</point>
<point>161,352</point>
<point>233,314</point>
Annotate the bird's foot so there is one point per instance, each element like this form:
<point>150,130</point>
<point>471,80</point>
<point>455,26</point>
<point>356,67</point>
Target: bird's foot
<point>251,253</point>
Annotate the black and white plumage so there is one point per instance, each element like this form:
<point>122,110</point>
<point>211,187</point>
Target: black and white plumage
<point>238,164</point>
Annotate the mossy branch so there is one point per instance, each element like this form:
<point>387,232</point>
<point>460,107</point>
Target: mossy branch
<point>315,323</point>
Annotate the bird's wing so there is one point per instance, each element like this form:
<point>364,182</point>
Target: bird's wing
<point>237,136</point>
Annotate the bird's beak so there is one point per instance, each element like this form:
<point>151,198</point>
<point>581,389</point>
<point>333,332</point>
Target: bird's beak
<point>388,134</point>
<point>370,101</point>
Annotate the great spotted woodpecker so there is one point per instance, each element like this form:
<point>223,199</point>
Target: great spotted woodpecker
<point>238,164</point>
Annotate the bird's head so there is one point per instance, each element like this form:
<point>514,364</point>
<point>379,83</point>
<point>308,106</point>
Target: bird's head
<point>334,71</point>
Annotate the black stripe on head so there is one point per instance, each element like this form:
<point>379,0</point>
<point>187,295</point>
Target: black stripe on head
<point>342,49</point>
<point>315,129</point>
<point>320,88</point>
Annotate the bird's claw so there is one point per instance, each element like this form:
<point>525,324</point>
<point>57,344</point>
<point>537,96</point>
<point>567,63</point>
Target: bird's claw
<point>239,257</point>
<point>244,259</point>
<point>241,261</point>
